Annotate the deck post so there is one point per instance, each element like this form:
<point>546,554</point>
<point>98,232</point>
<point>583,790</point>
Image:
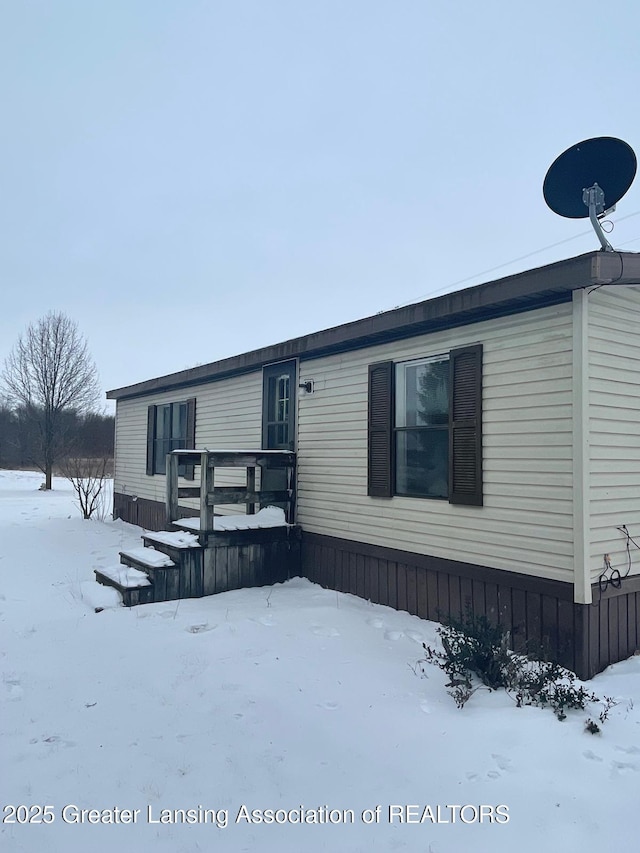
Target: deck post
<point>207,472</point>
<point>172,488</point>
<point>251,487</point>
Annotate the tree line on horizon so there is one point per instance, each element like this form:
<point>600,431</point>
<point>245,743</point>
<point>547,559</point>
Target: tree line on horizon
<point>85,435</point>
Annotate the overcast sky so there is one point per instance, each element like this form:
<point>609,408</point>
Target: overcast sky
<point>191,180</point>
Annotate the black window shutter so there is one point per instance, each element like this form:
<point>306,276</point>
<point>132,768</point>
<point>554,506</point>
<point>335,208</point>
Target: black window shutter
<point>380,473</point>
<point>151,435</point>
<point>191,434</point>
<point>465,426</point>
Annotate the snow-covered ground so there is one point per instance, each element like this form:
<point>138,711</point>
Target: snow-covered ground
<point>288,697</point>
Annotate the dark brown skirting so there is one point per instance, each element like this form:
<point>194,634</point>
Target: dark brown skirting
<point>612,624</point>
<point>145,513</point>
<point>540,614</point>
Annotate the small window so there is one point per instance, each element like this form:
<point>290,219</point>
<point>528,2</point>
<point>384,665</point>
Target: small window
<point>278,419</point>
<point>421,428</point>
<point>170,426</point>
<point>171,434</point>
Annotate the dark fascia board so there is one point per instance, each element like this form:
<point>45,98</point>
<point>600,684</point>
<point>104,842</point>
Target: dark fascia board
<point>548,285</point>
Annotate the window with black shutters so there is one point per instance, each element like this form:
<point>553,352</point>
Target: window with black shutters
<point>465,426</point>
<point>421,429</point>
<point>425,427</point>
<point>380,429</point>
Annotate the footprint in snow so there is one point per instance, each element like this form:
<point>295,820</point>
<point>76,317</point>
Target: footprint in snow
<point>502,762</point>
<point>620,766</point>
<point>416,636</point>
<point>393,635</point>
<point>591,755</point>
<point>329,706</point>
<point>269,621</point>
<point>53,740</point>
<point>14,689</point>
<point>425,707</point>
<point>375,622</point>
<point>200,629</point>
<point>630,750</point>
<point>321,631</point>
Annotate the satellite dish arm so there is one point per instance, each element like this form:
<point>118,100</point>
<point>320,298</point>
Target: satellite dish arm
<point>593,197</point>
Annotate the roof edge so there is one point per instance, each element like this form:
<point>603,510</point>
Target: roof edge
<point>512,294</point>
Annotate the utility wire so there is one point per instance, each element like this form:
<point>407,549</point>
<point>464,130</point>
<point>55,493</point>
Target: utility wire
<point>508,263</point>
<point>626,242</point>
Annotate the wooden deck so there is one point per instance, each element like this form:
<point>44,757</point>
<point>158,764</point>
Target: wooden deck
<point>249,497</point>
<point>208,554</point>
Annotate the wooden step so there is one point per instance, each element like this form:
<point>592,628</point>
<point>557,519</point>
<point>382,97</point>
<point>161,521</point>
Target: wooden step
<point>145,559</point>
<point>134,586</point>
<point>172,539</point>
<point>174,544</point>
<point>162,571</point>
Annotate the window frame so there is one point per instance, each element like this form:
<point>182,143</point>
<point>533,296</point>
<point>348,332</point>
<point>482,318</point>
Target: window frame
<point>156,460</point>
<point>175,440</point>
<point>400,367</point>
<point>279,410</point>
<point>465,479</point>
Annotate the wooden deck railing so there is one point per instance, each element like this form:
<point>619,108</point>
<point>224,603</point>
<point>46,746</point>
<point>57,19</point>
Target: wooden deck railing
<point>210,495</point>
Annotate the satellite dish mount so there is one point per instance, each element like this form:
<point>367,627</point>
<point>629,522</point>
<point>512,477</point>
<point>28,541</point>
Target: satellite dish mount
<point>593,197</point>
<point>589,179</point>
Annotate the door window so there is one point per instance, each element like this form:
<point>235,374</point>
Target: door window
<point>278,407</point>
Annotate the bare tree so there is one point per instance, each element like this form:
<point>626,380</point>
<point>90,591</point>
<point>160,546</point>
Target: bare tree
<point>7,432</point>
<point>50,374</point>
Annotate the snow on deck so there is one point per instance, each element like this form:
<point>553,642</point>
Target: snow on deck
<point>270,516</point>
<point>179,539</point>
<point>125,576</point>
<point>149,557</point>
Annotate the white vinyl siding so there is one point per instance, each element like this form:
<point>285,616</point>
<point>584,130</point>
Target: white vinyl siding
<point>530,483</point>
<point>614,425</point>
<point>228,417</point>
<point>526,523</point>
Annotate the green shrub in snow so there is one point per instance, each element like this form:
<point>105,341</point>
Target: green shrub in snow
<point>475,654</point>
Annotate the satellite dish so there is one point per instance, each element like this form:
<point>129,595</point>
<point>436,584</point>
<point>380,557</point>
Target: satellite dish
<point>589,179</point>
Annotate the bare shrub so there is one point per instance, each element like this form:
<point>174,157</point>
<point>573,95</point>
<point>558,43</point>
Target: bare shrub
<point>89,478</point>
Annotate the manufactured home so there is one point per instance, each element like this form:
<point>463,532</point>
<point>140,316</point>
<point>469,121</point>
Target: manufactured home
<point>476,450</point>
